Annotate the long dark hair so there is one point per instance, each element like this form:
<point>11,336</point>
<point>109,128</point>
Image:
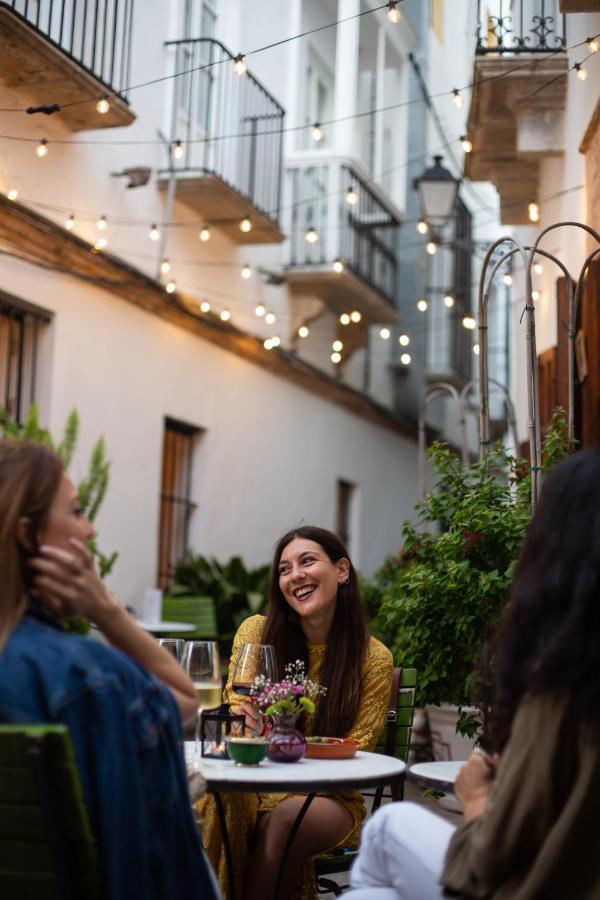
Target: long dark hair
<point>550,640</point>
<point>342,667</point>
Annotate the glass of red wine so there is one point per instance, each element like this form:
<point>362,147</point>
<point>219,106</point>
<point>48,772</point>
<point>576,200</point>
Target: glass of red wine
<point>252,661</point>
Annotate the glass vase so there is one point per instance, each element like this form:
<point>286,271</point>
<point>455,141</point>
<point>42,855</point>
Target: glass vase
<point>286,743</point>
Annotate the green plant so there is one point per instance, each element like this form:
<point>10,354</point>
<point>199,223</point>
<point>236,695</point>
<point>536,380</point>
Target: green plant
<point>440,601</point>
<point>237,592</point>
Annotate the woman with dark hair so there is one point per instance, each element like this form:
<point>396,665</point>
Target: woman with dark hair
<point>315,615</point>
<point>530,810</point>
<point>122,703</point>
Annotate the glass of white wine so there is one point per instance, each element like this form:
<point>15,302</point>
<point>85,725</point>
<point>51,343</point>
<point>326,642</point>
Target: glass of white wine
<point>202,663</point>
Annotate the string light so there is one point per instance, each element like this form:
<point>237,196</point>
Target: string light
<point>457,98</point>
<point>405,359</point>
<point>246,272</point>
<point>404,340</point>
<point>507,279</point>
<point>204,234</point>
<point>270,318</point>
<point>422,305</point>
<point>311,236</point>
<point>260,311</point>
<point>275,341</point>
<point>246,225</point>
<point>449,301</point>
<point>535,295</point>
<point>177,150</point>
<point>170,287</point>
<point>469,323</point>
<point>580,72</point>
<point>70,223</point>
<point>337,346</point>
<point>533,211</point>
<point>205,306</point>
<point>344,319</point>
<point>103,106</point>
<point>538,268</point>
<point>13,194</point>
<point>303,331</point>
<point>384,334</point>
<point>165,266</point>
<point>101,223</point>
<point>239,65</point>
<point>422,226</point>
<point>476,349</point>
<point>393,13</point>
<point>267,344</point>
<point>355,316</point>
<point>338,266</point>
<point>42,148</point>
<point>593,45</point>
<point>100,243</point>
<point>154,233</point>
<point>224,315</point>
<point>336,358</point>
<point>351,196</point>
<point>431,247</point>
<point>465,143</point>
<point>316,133</point>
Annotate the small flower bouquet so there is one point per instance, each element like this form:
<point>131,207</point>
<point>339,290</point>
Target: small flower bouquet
<point>296,693</point>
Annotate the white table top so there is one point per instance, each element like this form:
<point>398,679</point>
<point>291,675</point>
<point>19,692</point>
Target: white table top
<point>437,774</point>
<point>165,627</point>
<point>364,770</point>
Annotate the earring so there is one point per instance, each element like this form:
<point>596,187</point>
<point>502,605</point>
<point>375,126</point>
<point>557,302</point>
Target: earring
<point>345,581</point>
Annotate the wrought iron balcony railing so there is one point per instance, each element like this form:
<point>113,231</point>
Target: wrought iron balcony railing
<point>95,34</point>
<point>211,102</point>
<point>508,27</point>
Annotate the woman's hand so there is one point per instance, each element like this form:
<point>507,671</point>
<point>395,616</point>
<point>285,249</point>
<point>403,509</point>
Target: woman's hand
<point>255,721</point>
<point>473,785</point>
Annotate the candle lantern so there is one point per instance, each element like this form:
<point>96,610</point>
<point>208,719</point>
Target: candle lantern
<point>215,726</point>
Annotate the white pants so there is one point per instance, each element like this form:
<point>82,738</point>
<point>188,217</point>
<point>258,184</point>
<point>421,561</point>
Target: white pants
<point>401,855</point>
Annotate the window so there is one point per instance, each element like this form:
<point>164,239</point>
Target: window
<point>317,101</point>
<point>199,21</point>
<point>345,509</point>
<point>176,505</point>
<point>20,324</point>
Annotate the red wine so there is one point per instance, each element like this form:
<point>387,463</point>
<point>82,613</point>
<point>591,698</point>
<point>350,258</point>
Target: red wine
<point>244,688</point>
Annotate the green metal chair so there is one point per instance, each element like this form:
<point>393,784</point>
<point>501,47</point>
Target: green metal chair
<point>394,740</point>
<point>196,610</point>
<point>47,848</point>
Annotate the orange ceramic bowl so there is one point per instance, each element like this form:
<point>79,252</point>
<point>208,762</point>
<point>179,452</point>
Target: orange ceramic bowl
<point>330,748</point>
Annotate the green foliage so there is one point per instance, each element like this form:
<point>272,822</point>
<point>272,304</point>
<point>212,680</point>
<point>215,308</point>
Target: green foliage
<point>238,592</point>
<point>440,601</point>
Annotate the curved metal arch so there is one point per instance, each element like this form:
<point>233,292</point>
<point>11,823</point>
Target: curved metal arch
<point>511,417</point>
<point>438,389</point>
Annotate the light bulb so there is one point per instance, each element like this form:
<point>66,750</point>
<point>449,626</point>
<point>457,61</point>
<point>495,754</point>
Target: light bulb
<point>239,65</point>
<point>70,223</point>
<point>246,272</point>
<point>267,344</point>
<point>469,323</point>
<point>177,150</point>
<point>431,247</point>
<point>165,266</point>
<point>270,318</point>
<point>316,133</point>
<point>593,45</point>
<point>351,196</point>
<point>260,311</point>
<point>449,301</point>
<point>476,349</point>
<point>225,315</point>
<point>404,340</point>
<point>311,236</point>
<point>170,287</point>
<point>507,279</point>
<point>465,143</point>
<point>535,295</point>
<point>204,234</point>
<point>344,319</point>
<point>422,226</point>
<point>42,148</point>
<point>100,243</point>
<point>13,194</point>
<point>337,346</point>
<point>154,233</point>
<point>393,13</point>
<point>384,334</point>
<point>533,211</point>
<point>422,305</point>
<point>538,268</point>
<point>303,331</point>
<point>580,72</point>
<point>205,306</point>
<point>101,223</point>
<point>355,316</point>
<point>103,106</point>
<point>275,341</point>
<point>246,226</point>
<point>338,266</point>
<point>336,358</point>
<point>405,359</point>
<point>458,98</point>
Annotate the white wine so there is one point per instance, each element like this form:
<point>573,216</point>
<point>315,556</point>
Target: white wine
<point>209,694</point>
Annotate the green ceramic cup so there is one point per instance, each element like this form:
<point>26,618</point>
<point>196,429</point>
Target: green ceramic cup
<point>247,751</point>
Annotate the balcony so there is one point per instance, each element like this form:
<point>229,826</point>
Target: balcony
<point>359,237</point>
<point>516,117</point>
<point>225,181</point>
<point>63,51</point>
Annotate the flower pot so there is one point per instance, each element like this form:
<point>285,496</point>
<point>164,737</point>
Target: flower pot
<point>286,743</point>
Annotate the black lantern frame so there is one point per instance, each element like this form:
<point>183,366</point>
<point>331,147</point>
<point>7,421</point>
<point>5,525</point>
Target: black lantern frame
<point>215,726</point>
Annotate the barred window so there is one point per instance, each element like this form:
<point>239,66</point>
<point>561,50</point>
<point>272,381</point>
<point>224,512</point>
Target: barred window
<point>20,324</point>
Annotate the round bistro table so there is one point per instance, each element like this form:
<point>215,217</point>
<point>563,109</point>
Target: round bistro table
<point>309,776</point>
<point>438,775</point>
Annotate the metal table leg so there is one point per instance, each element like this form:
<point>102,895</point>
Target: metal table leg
<point>289,842</point>
<point>226,845</point>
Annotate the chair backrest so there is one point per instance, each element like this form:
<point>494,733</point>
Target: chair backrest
<point>394,740</point>
<point>196,610</point>
<point>47,848</point>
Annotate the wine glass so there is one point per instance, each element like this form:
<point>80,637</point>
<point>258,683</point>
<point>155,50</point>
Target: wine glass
<point>174,646</point>
<point>202,663</point>
<point>253,660</point>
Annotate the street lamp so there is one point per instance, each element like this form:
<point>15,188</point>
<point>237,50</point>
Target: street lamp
<point>436,189</point>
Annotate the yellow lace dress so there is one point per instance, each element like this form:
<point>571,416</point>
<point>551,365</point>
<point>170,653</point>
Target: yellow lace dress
<point>242,809</point>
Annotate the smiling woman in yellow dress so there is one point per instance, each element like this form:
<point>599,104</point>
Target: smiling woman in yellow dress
<point>314,614</point>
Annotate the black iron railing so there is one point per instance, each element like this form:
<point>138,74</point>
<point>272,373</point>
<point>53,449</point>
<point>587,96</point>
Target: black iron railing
<point>96,34</point>
<point>362,233</point>
<point>229,124</point>
<point>520,26</point>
